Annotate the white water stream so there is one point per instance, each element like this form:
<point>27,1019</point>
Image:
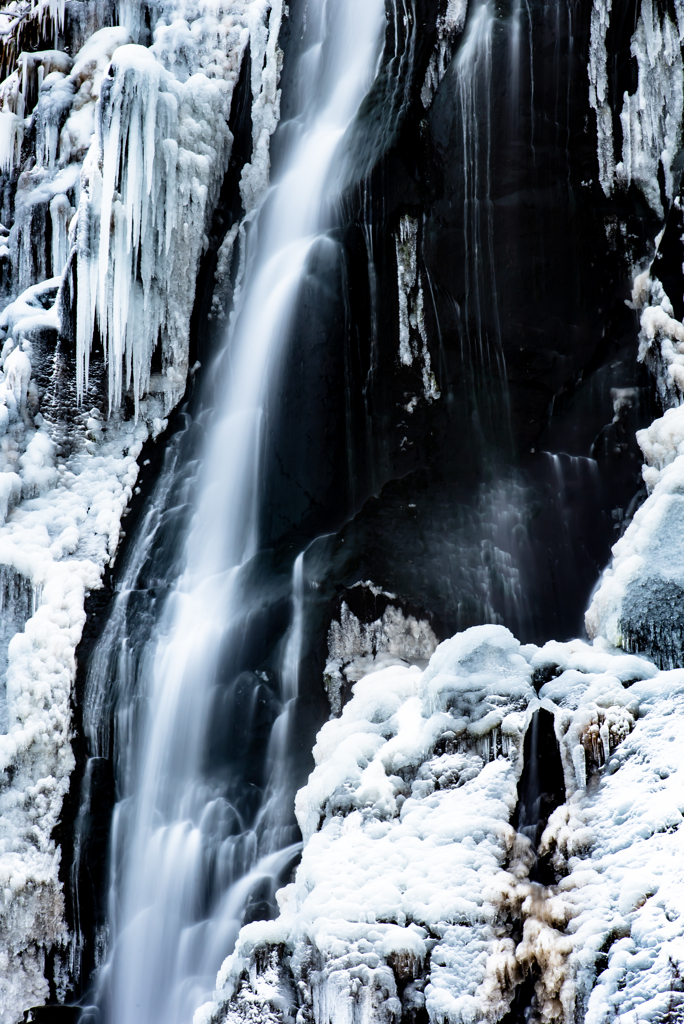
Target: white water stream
<point>172,828</point>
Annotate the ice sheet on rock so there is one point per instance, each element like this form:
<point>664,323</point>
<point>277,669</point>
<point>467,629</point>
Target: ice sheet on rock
<point>598,91</point>
<point>652,118</point>
<point>661,338</point>
<point>412,331</point>
<point>449,26</point>
<point>17,605</point>
<point>638,602</point>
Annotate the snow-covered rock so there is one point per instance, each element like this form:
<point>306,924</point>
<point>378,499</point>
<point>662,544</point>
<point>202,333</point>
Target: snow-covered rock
<point>416,893</point>
<point>638,603</point>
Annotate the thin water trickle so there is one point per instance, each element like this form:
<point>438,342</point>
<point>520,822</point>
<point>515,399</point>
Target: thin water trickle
<point>190,857</point>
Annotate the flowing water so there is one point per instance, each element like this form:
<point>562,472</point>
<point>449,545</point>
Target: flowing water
<point>188,851</point>
<point>202,833</point>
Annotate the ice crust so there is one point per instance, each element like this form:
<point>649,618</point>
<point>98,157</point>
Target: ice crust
<point>414,889</point>
<point>356,649</point>
<point>449,26</point>
<point>131,146</point>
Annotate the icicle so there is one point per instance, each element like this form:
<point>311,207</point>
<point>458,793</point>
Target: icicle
<point>598,92</point>
<point>579,761</point>
<point>11,136</point>
<point>60,210</point>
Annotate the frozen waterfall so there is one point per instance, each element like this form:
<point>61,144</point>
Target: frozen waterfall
<point>341,512</point>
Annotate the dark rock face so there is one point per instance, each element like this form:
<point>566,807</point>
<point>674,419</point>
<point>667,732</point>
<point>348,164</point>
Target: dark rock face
<point>521,275</point>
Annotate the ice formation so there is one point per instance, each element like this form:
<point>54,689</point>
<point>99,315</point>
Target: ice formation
<point>129,145</point>
<point>415,891</point>
<point>412,332</point>
<point>637,603</point>
<point>449,26</point>
<point>651,118</point>
<point>355,649</point>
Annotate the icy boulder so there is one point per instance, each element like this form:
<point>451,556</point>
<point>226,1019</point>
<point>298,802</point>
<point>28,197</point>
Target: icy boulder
<point>416,897</point>
<point>406,824</point>
<point>639,604</point>
<point>415,894</point>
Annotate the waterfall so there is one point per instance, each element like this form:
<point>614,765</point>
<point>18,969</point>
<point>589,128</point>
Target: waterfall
<point>313,449</point>
<point>186,855</point>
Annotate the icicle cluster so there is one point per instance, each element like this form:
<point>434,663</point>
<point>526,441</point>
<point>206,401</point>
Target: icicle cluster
<point>651,118</point>
<point>142,222</point>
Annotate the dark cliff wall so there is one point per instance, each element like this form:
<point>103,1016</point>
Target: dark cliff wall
<point>522,269</point>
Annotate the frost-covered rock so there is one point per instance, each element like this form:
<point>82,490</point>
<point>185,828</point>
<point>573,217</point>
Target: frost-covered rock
<point>128,145</point>
<point>638,604</point>
<point>416,893</point>
<point>356,649</point>
<point>619,849</point>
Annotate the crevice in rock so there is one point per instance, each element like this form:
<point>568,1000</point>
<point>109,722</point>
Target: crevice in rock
<point>523,1001</point>
<point>541,788</point>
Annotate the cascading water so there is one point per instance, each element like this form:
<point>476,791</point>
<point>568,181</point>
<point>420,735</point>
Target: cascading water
<point>185,852</point>
<point>481,329</point>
